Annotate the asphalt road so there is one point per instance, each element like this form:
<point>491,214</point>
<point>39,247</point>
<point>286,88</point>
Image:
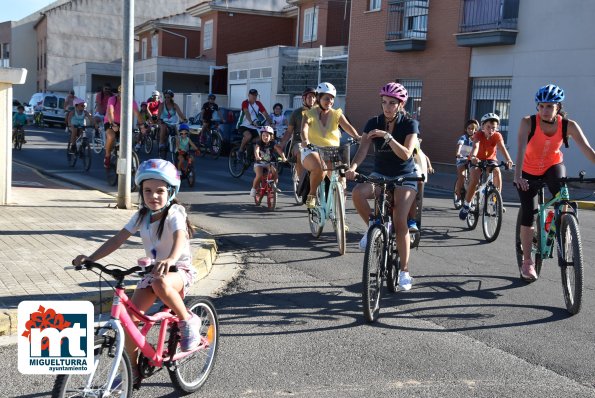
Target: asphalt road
<point>292,323</point>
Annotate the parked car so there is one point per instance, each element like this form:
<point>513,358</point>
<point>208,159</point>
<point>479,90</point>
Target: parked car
<point>227,127</point>
<point>51,106</point>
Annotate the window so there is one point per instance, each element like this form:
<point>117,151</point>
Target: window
<point>154,46</point>
<point>491,95</point>
<point>374,5</point>
<point>414,89</point>
<point>207,38</point>
<point>4,55</point>
<point>310,24</point>
<point>407,19</point>
<point>143,51</point>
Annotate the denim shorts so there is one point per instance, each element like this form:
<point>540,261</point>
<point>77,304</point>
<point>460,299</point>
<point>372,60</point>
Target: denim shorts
<point>406,184</point>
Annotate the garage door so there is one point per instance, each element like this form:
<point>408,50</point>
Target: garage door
<point>237,94</point>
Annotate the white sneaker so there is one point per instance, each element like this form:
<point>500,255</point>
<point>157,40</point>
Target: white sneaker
<point>405,280</point>
<point>363,242</point>
<point>252,192</point>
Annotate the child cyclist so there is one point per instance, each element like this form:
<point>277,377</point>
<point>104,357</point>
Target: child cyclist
<point>19,120</point>
<point>485,147</point>
<point>183,145</point>
<point>165,232</point>
<point>464,146</point>
<point>264,151</point>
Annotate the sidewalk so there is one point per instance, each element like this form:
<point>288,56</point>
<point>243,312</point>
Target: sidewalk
<point>48,224</point>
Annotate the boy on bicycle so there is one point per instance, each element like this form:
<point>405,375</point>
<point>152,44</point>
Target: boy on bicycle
<point>19,120</point>
<point>264,150</point>
<point>183,145</point>
<point>485,148</point>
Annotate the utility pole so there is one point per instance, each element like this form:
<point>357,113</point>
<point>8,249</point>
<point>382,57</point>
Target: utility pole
<point>124,168</point>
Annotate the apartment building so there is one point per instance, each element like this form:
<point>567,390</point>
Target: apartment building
<point>463,58</point>
<point>5,39</point>
<point>49,42</point>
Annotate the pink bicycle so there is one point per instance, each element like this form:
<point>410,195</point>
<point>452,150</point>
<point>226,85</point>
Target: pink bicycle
<point>112,373</point>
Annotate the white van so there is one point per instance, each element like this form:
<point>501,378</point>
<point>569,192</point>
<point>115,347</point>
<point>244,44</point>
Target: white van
<point>51,105</point>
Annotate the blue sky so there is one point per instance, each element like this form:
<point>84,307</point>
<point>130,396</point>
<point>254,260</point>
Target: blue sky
<point>24,8</point>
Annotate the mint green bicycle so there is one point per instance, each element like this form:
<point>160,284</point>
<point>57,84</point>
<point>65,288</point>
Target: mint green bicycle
<point>561,227</point>
<point>330,196</point>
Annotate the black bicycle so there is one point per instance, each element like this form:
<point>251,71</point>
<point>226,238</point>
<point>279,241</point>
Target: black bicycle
<point>18,137</point>
<point>210,141</point>
<point>81,149</point>
<point>381,260</point>
<point>240,161</point>
<point>112,171</point>
<point>488,198</point>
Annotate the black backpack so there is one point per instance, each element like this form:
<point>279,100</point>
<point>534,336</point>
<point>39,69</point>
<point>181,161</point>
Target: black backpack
<point>564,129</point>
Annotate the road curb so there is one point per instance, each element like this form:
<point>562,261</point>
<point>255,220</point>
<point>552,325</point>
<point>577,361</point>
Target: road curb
<point>204,255</point>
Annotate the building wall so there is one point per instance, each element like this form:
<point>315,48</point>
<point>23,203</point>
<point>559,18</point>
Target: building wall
<point>564,56</point>
<point>169,45</point>
<point>5,38</point>
<point>99,38</point>
<point>442,66</point>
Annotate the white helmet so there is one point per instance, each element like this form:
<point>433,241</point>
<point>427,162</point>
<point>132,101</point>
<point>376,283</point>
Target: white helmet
<point>326,88</point>
<point>155,93</point>
<point>490,116</point>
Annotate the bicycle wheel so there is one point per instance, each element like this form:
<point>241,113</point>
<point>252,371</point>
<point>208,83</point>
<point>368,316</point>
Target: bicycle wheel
<point>272,197</point>
<point>491,217</point>
<point>216,144</point>
<point>190,175</point>
<point>148,144</point>
<point>236,165</point>
<point>134,167</point>
<point>570,260</point>
<point>19,140</point>
<point>339,216</point>
<point>86,155</point>
<point>372,273</point>
<point>394,265</point>
<point>111,172</point>
<point>473,216</point>
<point>75,385</point>
<point>72,157</point>
<point>190,373</point>
<point>296,183</point>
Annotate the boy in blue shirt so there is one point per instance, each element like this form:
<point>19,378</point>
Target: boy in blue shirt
<point>19,119</point>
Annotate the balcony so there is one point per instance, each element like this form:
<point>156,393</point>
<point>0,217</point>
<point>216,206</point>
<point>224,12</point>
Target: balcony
<point>407,25</point>
<point>488,23</point>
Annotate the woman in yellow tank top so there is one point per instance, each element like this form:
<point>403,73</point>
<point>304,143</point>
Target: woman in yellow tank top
<point>540,158</point>
<point>320,127</point>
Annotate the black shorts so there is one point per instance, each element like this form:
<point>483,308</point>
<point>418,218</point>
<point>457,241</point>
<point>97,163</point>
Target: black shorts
<point>253,131</point>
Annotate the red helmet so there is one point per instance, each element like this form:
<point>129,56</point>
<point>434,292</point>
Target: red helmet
<point>395,90</point>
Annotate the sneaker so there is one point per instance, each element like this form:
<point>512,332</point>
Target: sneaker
<point>252,192</point>
<point>311,202</point>
<point>528,271</point>
<point>190,333</point>
<point>464,212</point>
<point>277,189</point>
<point>458,203</point>
<point>405,280</point>
<point>412,225</point>
<point>363,242</point>
<point>137,147</point>
<point>106,162</point>
<point>503,209</point>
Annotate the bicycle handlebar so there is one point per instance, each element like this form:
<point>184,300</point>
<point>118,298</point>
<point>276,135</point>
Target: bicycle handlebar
<point>118,273</point>
<point>384,180</point>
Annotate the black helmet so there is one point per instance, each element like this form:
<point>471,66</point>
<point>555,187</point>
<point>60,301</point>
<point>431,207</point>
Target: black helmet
<point>308,90</point>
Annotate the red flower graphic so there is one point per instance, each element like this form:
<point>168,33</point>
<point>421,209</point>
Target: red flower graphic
<point>43,319</point>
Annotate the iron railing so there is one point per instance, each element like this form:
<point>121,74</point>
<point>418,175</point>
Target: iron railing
<point>481,15</point>
<point>407,19</point>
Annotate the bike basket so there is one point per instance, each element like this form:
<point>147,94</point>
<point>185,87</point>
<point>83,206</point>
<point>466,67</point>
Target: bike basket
<point>332,156</point>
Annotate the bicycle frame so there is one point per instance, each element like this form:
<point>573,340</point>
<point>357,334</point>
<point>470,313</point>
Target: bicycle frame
<point>562,198</point>
<point>121,321</point>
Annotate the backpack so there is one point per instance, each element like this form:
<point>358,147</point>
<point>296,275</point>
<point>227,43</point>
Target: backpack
<point>564,129</point>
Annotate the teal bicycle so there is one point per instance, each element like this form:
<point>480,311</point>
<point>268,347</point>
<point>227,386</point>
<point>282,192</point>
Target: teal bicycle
<point>557,222</point>
<point>330,196</point>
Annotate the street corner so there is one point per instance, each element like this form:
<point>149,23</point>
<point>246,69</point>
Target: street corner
<point>8,322</point>
<point>203,256</point>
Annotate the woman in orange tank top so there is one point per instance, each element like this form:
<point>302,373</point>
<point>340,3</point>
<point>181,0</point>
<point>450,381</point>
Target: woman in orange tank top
<point>541,158</point>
